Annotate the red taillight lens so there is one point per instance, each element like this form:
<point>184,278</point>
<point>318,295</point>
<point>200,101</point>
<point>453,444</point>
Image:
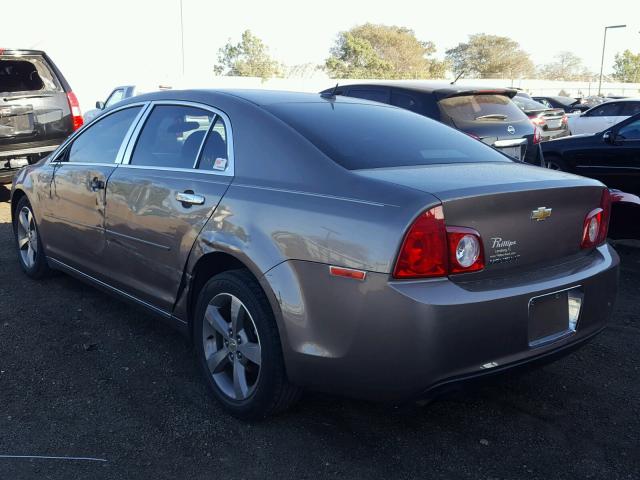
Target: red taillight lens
<point>564,120</point>
<point>76,114</point>
<point>537,135</point>
<point>591,228</point>
<point>424,249</point>
<point>538,121</point>
<point>465,250</point>
<point>596,223</point>
<point>431,249</point>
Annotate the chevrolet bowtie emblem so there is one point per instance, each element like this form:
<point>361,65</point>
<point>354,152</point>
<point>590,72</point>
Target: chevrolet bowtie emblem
<point>540,214</point>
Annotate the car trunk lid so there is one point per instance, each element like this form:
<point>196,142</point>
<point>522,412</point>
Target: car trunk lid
<point>524,215</point>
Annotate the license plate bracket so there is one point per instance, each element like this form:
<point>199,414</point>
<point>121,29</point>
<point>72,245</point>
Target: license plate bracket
<point>554,315</point>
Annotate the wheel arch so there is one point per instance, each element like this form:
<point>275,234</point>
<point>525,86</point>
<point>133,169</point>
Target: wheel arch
<point>15,198</point>
<point>212,263</point>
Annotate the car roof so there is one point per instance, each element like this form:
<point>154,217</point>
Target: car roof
<point>19,51</point>
<point>257,97</point>
<point>442,89</point>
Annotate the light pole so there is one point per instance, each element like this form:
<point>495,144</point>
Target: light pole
<point>182,38</point>
<point>604,43</point>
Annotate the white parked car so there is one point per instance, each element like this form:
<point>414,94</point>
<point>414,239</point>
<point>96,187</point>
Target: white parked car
<point>602,117</point>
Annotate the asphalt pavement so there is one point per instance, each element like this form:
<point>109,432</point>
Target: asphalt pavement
<point>117,395</point>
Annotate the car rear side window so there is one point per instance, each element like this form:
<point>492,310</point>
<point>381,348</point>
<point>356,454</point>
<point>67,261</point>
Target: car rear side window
<point>361,136</point>
<point>26,74</point>
<point>172,137</point>
<point>214,154</point>
<point>490,107</point>
<point>101,142</point>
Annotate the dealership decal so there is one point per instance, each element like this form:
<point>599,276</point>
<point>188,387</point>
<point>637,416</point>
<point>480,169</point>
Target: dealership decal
<point>503,250</point>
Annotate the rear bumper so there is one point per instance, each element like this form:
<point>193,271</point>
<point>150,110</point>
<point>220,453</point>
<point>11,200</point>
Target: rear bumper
<point>392,341</point>
<point>8,159</point>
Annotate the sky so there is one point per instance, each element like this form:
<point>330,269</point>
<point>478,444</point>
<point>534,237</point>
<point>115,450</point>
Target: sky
<point>108,43</point>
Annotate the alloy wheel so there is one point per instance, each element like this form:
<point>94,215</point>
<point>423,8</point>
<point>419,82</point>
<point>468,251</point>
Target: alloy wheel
<point>27,237</point>
<point>231,346</point>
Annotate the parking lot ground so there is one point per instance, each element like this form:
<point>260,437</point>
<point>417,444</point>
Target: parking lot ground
<point>85,375</point>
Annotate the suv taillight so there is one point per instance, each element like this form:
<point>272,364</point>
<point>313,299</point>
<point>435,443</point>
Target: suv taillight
<point>537,135</point>
<point>596,223</point>
<point>76,114</point>
<point>431,249</point>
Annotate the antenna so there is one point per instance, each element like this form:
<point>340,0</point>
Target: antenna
<point>331,94</point>
<point>458,77</point>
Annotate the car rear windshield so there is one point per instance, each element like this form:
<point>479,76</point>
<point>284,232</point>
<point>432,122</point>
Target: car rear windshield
<point>26,74</point>
<point>528,104</point>
<point>483,107</point>
<point>363,136</point>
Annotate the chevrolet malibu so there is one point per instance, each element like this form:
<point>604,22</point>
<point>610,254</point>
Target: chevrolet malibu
<point>321,242</point>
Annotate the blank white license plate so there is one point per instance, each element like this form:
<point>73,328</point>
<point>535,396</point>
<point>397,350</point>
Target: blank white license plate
<point>553,124</point>
<point>514,152</point>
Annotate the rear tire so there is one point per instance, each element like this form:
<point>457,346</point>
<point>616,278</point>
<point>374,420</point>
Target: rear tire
<point>238,347</point>
<point>31,256</point>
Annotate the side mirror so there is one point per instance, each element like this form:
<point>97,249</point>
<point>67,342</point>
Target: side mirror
<point>609,137</point>
<point>100,105</point>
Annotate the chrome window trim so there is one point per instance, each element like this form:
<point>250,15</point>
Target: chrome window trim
<point>56,154</point>
<point>228,172</point>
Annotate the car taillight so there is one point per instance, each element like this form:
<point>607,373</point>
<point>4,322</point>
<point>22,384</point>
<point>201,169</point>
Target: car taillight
<point>431,249</point>
<point>424,249</point>
<point>596,223</point>
<point>465,250</point>
<point>538,121</point>
<point>76,114</point>
<point>537,135</point>
<point>564,120</point>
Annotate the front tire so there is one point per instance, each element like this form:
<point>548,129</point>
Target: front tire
<point>238,347</point>
<point>31,255</point>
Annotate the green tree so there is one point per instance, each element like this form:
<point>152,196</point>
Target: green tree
<point>490,56</point>
<point>566,66</point>
<point>381,51</point>
<point>626,67</point>
<point>248,58</point>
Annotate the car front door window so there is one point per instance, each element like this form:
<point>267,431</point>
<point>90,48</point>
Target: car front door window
<point>100,143</point>
<point>630,132</point>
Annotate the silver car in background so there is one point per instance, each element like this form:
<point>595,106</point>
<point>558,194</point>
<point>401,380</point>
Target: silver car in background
<point>307,241</point>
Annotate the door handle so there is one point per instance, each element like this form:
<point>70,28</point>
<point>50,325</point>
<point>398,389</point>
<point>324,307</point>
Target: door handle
<point>189,198</point>
<point>96,184</point>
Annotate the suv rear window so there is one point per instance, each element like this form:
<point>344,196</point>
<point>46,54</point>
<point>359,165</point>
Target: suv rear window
<point>363,136</point>
<point>26,74</point>
<point>490,107</point>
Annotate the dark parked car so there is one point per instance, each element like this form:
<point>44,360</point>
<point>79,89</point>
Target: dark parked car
<point>612,156</point>
<point>38,110</point>
<point>568,104</point>
<point>551,121</point>
<point>488,115</point>
<point>335,244</point>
